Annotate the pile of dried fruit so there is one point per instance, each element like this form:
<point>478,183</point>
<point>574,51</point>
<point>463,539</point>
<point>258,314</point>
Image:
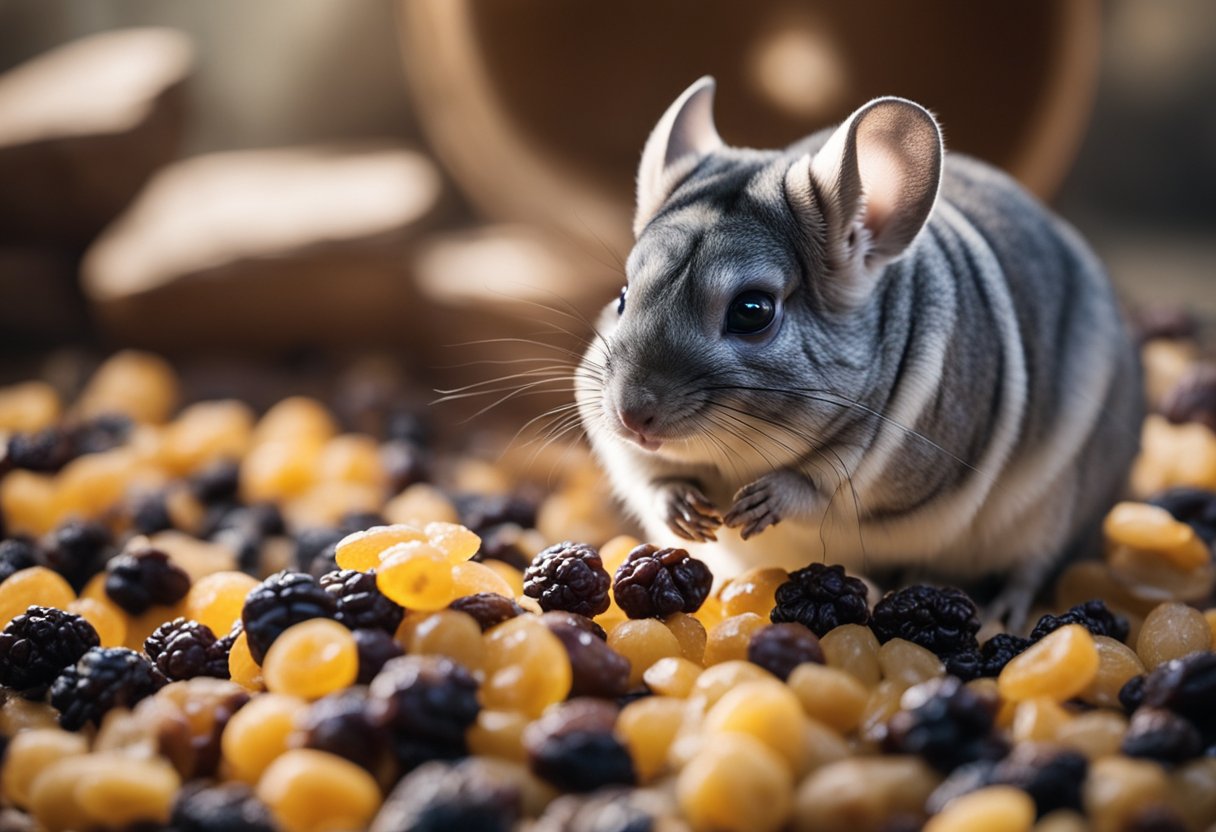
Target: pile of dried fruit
<point>214,621</point>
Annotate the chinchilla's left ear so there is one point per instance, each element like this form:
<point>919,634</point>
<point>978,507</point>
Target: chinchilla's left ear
<point>684,135</point>
<point>876,180</point>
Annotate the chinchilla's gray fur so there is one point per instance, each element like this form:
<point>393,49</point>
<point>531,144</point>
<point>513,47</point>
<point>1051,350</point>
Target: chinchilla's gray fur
<point>960,398</point>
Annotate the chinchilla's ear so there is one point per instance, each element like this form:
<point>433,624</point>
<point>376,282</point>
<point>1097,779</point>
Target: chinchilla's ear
<point>876,180</point>
<point>684,135</point>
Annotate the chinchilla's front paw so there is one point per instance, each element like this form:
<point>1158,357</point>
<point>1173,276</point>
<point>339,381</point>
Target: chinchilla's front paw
<point>767,501</point>
<point>688,511</point>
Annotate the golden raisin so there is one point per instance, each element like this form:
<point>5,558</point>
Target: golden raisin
<point>766,710</point>
<point>34,586</point>
<point>361,550</point>
<point>470,578</point>
<point>648,726</point>
<point>498,734</point>
<point>993,809</point>
<point>120,790</point>
<point>908,664</point>
<point>454,540</point>
<point>854,649</point>
<point>643,642</point>
<point>1116,664</point>
<point>107,619</point>
<point>420,504</point>
<point>456,635</point>
<point>1061,665</point>
<point>258,733</point>
<point>296,419</point>
<point>728,640</point>
<point>526,667</point>
<point>736,784</point>
<point>216,599</point>
<point>29,752</point>
<point>1171,631</point>
<point>690,633</point>
<point>312,791</point>
<point>311,659</point>
<point>241,667</point>
<point>753,591</point>
<point>672,676</point>
<point>139,384</point>
<point>829,695</point>
<point>28,407</point>
<point>417,576</point>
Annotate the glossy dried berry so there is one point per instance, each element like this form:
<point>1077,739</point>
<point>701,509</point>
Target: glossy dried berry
<point>1131,695</point>
<point>143,579</point>
<point>570,619</point>
<point>989,660</point>
<point>184,649</point>
<point>1193,398</point>
<point>487,608</point>
<point>568,576</point>
<point>283,599</point>
<point>360,604</point>
<point>45,451</point>
<point>941,619</point>
<point>1194,506</point>
<point>315,544</point>
<point>1053,777</point>
<point>39,644</point>
<point>573,747</point>
<point>779,648</point>
<point>150,514</point>
<point>472,796</point>
<point>504,543</point>
<point>225,807</point>
<point>103,678</point>
<point>17,553</point>
<point>376,649</point>
<point>596,669</point>
<point>341,724</point>
<point>948,724</point>
<point>1161,735</point>
<point>482,512</point>
<point>656,583</point>
<point>821,598</point>
<point>1092,615</point>
<point>357,521</point>
<point>78,550</point>
<point>425,703</point>
<point>217,484</point>
<point>1186,686</point>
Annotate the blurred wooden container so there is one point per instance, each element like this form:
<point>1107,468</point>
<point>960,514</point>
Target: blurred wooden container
<point>539,108</point>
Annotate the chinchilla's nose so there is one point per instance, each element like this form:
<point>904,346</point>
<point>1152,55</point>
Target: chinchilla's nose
<point>638,418</point>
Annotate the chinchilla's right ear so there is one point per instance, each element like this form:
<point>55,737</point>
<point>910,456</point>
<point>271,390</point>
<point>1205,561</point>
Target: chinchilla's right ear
<point>684,135</point>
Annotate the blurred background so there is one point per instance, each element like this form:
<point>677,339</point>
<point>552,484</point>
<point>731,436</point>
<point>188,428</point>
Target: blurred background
<point>308,181</point>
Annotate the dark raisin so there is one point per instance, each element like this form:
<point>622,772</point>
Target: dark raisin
<point>1131,695</point>
<point>568,576</point>
<point>283,599</point>
<point>1092,615</point>
<point>487,608</point>
<point>571,619</point>
<point>965,779</point>
<point>376,648</point>
<point>310,543</point>
<point>103,433</point>
<point>226,807</point>
<point>17,553</point>
<point>946,723</point>
<point>573,747</point>
<point>1161,735</point>
<point>989,660</point>
<point>471,796</point>
<point>504,543</point>
<point>405,464</point>
<point>1193,398</point>
<point>183,649</point>
<point>425,703</point>
<point>941,619</point>
<point>340,724</point>
<point>821,598</point>
<point>45,451</point>
<point>482,512</point>
<point>357,521</point>
<point>596,669</point>
<point>656,583</point>
<point>1053,777</point>
<point>1194,506</point>
<point>39,644</point>
<point>139,580</point>
<point>103,678</point>
<point>255,522</point>
<point>779,648</point>
<point>150,513</point>
<point>612,809</point>
<point>217,484</point>
<point>1186,686</point>
<point>78,551</point>
<point>360,604</point>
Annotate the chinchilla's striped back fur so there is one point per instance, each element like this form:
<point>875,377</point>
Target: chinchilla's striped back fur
<point>946,384</point>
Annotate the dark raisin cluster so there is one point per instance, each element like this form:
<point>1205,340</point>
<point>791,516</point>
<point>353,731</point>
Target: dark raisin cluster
<point>37,645</point>
<point>17,553</point>
<point>821,598</point>
<point>217,484</point>
<point>425,703</point>
<point>376,648</point>
<point>104,678</point>
<point>315,550</point>
<point>1161,735</point>
<point>1186,686</point>
<point>361,605</point>
<point>143,579</point>
<point>596,669</point>
<point>988,660</point>
<point>941,619</point>
<point>184,649</point>
<point>573,747</point>
<point>227,807</point>
<point>568,576</point>
<point>341,724</point>
<point>656,583</point>
<point>1092,615</point>
<point>488,608</point>
<point>1053,777</point>
<point>283,599</point>
<point>946,723</point>
<point>78,551</point>
<point>471,796</point>
<point>45,451</point>
<point>482,513</point>
<point>779,648</point>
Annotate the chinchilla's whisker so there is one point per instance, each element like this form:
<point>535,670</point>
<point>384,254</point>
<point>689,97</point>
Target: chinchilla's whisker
<point>533,373</point>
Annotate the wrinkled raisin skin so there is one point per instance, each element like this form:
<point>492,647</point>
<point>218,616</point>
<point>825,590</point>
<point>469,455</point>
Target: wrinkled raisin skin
<point>39,644</point>
<point>821,598</point>
<point>568,576</point>
<point>656,583</point>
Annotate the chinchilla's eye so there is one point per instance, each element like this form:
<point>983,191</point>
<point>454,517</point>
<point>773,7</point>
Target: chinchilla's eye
<point>620,304</point>
<point>750,312</point>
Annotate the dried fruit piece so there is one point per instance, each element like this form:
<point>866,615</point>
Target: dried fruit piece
<point>568,576</point>
<point>573,746</point>
<point>139,580</point>
<point>779,648</point>
<point>39,644</point>
<point>283,599</point>
<point>426,704</point>
<point>104,678</point>
<point>942,619</point>
<point>1060,666</point>
<point>821,598</point>
<point>656,583</point>
<point>184,649</point>
<point>311,659</point>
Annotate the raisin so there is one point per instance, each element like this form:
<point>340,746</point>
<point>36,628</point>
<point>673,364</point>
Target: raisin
<point>965,779</point>
<point>821,598</point>
<point>17,553</point>
<point>472,796</point>
<point>482,512</point>
<point>405,464</point>
<point>1186,686</point>
<point>360,604</point>
<point>596,669</point>
<point>946,723</point>
<point>611,810</point>
<point>504,543</point>
<point>656,583</point>
<point>1131,695</point>
<point>340,724</point>
<point>488,608</point>
<point>573,747</point>
<point>183,649</point>
<point>1193,398</point>
<point>1193,506</point>
<point>376,648</point>
<point>425,703</point>
<point>78,550</point>
<point>283,599</point>
<point>568,576</point>
<point>144,579</point>
<point>104,433</point>
<point>1161,735</point>
<point>150,514</point>
<point>225,807</point>
<point>1052,777</point>
<point>311,544</point>
<point>217,484</point>
<point>571,619</point>
<point>941,619</point>
<point>779,648</point>
<point>357,521</point>
<point>39,644</point>
<point>46,450</point>
<point>103,678</point>
<point>989,660</point>
<point>1092,615</point>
